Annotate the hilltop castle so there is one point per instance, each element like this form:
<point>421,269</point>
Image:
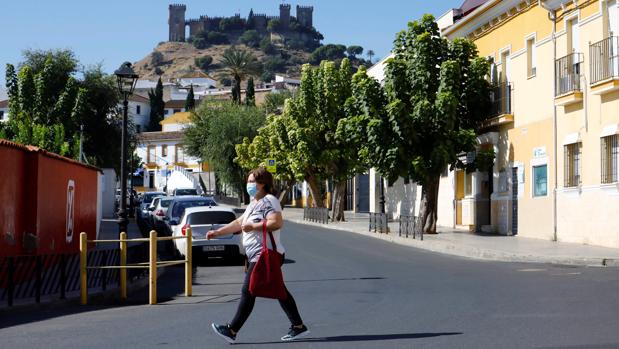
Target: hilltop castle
<point>178,23</point>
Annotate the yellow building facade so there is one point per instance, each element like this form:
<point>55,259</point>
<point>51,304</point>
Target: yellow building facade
<point>554,121</point>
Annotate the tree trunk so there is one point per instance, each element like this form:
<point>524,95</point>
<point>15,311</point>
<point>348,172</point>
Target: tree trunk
<point>283,194</point>
<point>339,193</point>
<point>314,190</point>
<point>426,221</point>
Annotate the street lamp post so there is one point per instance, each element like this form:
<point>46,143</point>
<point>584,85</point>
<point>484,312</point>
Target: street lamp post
<point>126,79</point>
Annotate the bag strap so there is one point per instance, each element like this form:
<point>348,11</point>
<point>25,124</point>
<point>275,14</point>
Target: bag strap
<point>264,237</point>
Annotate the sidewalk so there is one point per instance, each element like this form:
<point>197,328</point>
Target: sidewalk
<point>483,247</point>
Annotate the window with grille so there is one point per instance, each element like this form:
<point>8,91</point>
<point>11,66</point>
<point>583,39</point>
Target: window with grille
<point>610,159</point>
<point>572,165</point>
<point>180,153</point>
<point>164,150</point>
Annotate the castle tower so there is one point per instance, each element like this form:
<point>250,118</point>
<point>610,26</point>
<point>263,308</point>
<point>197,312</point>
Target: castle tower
<point>284,15</point>
<point>305,15</point>
<point>176,21</point>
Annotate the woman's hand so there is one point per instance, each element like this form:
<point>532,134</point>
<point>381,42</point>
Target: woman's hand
<point>211,234</point>
<point>249,227</point>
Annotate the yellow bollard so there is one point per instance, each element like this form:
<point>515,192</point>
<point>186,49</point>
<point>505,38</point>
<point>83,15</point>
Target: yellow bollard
<point>83,271</point>
<point>188,271</point>
<point>152,269</point>
<point>123,264</point>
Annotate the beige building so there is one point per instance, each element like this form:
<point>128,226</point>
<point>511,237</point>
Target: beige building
<point>554,122</point>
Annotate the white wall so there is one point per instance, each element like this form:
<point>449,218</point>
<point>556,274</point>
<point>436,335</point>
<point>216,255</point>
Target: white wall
<point>108,192</point>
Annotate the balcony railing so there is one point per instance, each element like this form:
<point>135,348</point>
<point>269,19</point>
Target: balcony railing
<point>568,73</point>
<point>501,99</point>
<point>604,59</point>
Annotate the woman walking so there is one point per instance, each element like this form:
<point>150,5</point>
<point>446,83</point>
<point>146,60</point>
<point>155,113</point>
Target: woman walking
<point>264,206</point>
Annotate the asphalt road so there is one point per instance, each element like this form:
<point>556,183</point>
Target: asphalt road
<point>353,292</point>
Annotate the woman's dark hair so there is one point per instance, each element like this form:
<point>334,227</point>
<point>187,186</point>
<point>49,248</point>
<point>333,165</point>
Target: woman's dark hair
<point>264,177</point>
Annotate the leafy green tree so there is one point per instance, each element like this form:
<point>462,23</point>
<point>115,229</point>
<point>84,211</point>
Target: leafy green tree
<point>274,102</point>
<point>232,24</point>
<point>203,62</point>
<point>354,51</point>
<point>310,140</point>
<point>250,93</point>
<point>328,52</point>
<point>273,25</point>
<point>250,38</point>
<point>267,76</point>
<point>157,107</point>
<point>437,96</point>
<point>217,126</point>
<point>238,64</point>
<point>190,102</point>
<point>216,38</point>
<point>49,107</point>
<point>271,142</point>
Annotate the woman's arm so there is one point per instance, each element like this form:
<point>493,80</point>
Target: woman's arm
<point>230,228</point>
<point>274,222</point>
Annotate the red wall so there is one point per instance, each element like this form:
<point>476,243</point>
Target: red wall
<point>37,182</point>
<point>12,180</point>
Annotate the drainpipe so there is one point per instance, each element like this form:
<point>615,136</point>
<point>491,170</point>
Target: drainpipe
<point>553,17</point>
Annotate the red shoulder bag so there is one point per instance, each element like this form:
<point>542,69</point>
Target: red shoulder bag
<point>266,278</point>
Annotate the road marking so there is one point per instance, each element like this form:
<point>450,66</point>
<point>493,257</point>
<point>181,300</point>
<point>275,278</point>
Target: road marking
<point>531,270</point>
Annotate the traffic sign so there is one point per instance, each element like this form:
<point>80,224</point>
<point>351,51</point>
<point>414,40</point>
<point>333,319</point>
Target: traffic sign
<point>271,165</point>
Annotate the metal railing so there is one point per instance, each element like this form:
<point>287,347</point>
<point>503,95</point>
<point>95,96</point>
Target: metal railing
<point>604,57</point>
<point>39,278</point>
<point>189,175</point>
<point>316,214</point>
<point>379,223</point>
<point>407,226</point>
<point>501,99</point>
<point>151,265</point>
<point>567,70</point>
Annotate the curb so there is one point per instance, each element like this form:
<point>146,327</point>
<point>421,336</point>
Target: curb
<point>471,252</point>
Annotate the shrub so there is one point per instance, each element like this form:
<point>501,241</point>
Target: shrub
<point>216,38</point>
<point>250,38</point>
<point>267,76</point>
<point>274,63</point>
<point>158,71</point>
<point>203,62</point>
<point>156,58</point>
<point>266,46</point>
<point>226,82</point>
<point>274,25</point>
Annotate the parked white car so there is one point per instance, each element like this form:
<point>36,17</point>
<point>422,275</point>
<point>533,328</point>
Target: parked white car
<point>202,219</point>
<point>158,210</point>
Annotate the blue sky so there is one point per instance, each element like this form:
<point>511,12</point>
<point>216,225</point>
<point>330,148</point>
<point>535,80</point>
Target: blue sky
<point>113,31</point>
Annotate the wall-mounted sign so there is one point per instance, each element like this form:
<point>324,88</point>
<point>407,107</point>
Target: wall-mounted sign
<point>539,152</point>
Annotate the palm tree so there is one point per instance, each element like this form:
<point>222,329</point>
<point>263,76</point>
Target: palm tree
<point>238,64</point>
<point>370,54</point>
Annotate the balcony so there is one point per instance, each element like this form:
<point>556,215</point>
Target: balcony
<point>605,65</point>
<point>567,70</point>
<point>501,106</point>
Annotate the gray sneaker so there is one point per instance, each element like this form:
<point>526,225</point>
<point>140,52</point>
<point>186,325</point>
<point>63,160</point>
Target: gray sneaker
<point>295,333</point>
<point>224,332</point>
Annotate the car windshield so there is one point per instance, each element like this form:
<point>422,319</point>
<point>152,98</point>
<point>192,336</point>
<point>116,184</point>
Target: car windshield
<point>186,192</point>
<point>198,218</point>
<point>148,197</point>
<point>165,203</point>
<point>180,207</point>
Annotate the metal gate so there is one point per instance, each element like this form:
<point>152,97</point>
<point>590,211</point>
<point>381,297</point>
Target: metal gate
<point>514,200</point>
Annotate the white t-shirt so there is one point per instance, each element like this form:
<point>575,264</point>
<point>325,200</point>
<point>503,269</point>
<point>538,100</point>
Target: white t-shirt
<point>257,211</point>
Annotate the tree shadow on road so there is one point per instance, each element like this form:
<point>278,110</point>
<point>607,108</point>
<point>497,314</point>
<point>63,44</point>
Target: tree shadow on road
<point>366,337</point>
